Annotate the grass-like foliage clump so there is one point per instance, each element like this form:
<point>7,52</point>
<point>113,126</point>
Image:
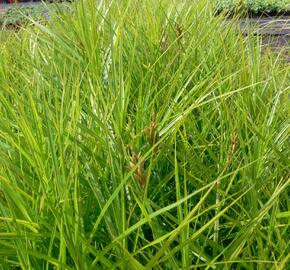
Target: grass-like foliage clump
<point>142,135</point>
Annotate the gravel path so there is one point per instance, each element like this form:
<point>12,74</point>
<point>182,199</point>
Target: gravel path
<point>275,32</point>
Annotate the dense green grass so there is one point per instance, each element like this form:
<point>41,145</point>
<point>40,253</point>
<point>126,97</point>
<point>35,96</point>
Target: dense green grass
<point>142,135</point>
<point>255,6</point>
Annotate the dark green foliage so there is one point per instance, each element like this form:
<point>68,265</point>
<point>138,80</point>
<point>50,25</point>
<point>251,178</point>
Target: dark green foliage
<point>254,6</point>
<point>23,15</point>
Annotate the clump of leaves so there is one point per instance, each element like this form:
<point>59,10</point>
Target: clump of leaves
<point>254,6</point>
<point>23,15</point>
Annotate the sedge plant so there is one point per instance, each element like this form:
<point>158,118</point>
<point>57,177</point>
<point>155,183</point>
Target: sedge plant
<point>142,135</point>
